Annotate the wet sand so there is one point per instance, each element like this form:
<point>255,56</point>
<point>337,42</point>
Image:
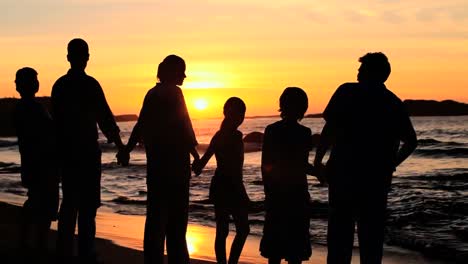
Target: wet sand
<point>121,240</point>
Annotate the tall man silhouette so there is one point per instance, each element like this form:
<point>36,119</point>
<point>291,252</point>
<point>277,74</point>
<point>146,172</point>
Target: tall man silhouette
<point>365,124</point>
<point>78,104</point>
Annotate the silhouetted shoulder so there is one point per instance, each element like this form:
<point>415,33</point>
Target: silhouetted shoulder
<point>345,89</point>
<point>393,97</point>
<point>305,129</point>
<point>273,126</point>
<point>92,80</point>
<point>336,103</point>
<point>60,81</point>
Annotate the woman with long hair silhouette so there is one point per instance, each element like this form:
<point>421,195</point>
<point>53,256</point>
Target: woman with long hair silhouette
<point>166,131</point>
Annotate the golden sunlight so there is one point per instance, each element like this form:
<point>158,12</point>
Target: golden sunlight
<point>200,104</point>
<point>202,84</point>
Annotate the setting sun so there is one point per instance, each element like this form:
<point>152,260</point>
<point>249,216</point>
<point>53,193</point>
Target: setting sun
<point>201,104</point>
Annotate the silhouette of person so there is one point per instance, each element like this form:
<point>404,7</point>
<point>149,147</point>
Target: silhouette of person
<point>165,128</point>
<point>365,123</point>
<point>78,104</point>
<point>227,191</point>
<point>39,172</point>
<point>285,166</point>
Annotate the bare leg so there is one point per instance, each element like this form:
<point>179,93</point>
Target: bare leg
<point>222,231</point>
<point>242,231</point>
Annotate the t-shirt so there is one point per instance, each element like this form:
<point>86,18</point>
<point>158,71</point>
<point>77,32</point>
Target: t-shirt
<point>78,104</point>
<point>369,122</point>
<point>37,145</point>
<point>285,155</point>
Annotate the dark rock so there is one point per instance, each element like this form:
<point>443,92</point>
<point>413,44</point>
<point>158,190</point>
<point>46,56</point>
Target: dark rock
<point>126,118</point>
<point>435,108</point>
<point>254,137</point>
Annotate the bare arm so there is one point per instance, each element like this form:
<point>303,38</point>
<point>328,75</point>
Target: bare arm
<point>327,138</point>
<point>410,143</point>
<point>199,164</point>
<point>267,161</point>
<point>106,119</point>
<point>134,139</point>
<point>123,156</point>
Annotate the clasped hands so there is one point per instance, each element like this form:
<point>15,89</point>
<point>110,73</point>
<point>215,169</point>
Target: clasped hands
<point>197,166</point>
<point>318,170</point>
<point>123,156</point>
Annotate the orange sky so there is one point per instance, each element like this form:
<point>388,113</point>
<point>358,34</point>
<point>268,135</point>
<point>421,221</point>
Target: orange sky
<point>251,49</point>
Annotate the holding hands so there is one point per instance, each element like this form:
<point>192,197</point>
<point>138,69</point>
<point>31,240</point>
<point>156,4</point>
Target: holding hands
<point>318,170</point>
<point>123,156</point>
<point>321,173</point>
<point>197,167</point>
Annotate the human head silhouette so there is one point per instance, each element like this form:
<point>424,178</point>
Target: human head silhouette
<point>293,103</point>
<point>172,70</point>
<point>234,112</point>
<point>78,54</point>
<point>375,68</point>
<point>26,82</point>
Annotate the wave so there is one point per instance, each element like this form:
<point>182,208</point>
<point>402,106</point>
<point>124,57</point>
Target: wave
<point>463,177</point>
<point>6,164</point>
<point>128,201</point>
<point>7,168</point>
<point>432,142</point>
<point>7,143</point>
<point>442,152</point>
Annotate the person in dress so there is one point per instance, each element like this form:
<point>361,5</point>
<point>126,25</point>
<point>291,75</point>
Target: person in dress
<point>285,166</point>
<point>227,191</point>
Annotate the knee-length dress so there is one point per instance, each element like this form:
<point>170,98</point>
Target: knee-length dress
<point>285,155</point>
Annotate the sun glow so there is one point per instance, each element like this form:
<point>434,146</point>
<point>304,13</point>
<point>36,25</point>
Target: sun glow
<point>200,104</point>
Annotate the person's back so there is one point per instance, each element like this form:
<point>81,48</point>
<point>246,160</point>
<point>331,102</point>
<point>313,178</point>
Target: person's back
<point>365,124</point>
<point>39,173</point>
<point>77,100</point>
<point>369,122</point>
<point>78,106</point>
<point>36,140</point>
<point>285,153</point>
<point>288,149</point>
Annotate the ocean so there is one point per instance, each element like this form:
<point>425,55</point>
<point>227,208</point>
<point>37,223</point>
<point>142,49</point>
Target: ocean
<point>428,203</point>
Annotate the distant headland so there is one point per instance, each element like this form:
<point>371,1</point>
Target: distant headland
<point>414,107</point>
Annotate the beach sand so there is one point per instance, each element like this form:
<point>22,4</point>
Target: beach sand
<point>121,239</point>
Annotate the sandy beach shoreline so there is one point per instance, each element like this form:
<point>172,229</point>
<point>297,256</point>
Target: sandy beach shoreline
<point>121,240</point>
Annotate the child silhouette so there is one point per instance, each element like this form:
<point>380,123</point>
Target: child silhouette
<point>227,191</point>
<point>39,173</point>
<point>285,166</point>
